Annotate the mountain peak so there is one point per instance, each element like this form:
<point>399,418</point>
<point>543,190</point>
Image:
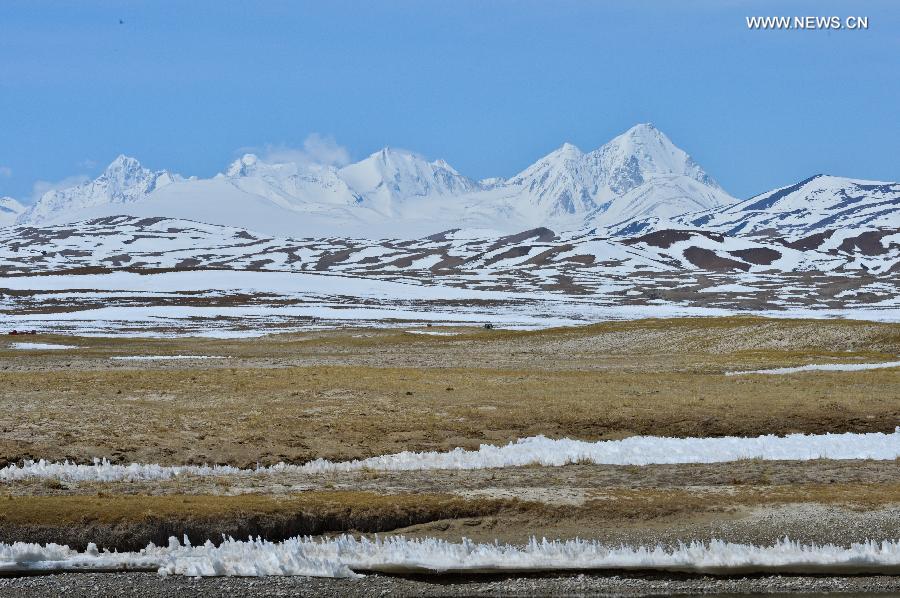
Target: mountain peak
<point>392,174</point>
<point>642,129</point>
<point>441,163</point>
<point>567,150</point>
<point>642,152</point>
<point>123,163</point>
<point>643,135</point>
<point>123,181</point>
<point>567,181</point>
<point>387,153</point>
<point>243,166</point>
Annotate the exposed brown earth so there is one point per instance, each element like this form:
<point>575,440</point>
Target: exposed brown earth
<point>74,515</point>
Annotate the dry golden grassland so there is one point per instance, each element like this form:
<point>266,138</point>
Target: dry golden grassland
<point>356,393</point>
<point>355,510</point>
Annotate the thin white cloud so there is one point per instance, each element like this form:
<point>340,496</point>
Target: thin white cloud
<point>5,172</point>
<point>317,150</point>
<point>41,187</point>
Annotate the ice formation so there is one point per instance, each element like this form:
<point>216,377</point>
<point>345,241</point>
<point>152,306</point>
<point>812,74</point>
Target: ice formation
<point>346,556</point>
<point>536,450</point>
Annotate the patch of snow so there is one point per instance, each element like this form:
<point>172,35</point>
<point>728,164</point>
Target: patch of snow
<point>41,346</point>
<point>431,332</point>
<point>346,556</point>
<point>536,450</point>
<point>825,367</point>
<point>164,357</point>
<point>636,450</point>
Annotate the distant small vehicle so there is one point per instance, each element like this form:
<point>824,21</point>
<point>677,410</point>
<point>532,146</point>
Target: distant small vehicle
<point>488,326</point>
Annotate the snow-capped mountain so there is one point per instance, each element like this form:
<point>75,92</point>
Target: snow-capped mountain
<point>642,160</point>
<point>559,183</point>
<point>816,204</point>
<point>10,209</point>
<point>637,183</point>
<point>638,155</point>
<point>398,193</point>
<point>290,185</point>
<point>634,224</point>
<point>124,181</point>
<point>390,176</point>
<point>820,205</point>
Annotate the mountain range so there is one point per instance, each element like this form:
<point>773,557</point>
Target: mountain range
<point>633,227</point>
<point>637,183</point>
<point>396,193</point>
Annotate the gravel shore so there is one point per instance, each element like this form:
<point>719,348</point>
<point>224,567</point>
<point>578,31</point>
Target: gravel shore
<point>148,585</point>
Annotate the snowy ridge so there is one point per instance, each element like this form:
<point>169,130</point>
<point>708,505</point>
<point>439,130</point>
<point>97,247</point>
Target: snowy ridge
<point>346,556</point>
<point>536,450</point>
<point>818,212</point>
<point>123,182</point>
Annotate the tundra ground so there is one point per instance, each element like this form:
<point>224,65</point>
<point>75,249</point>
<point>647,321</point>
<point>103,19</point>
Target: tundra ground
<point>353,393</point>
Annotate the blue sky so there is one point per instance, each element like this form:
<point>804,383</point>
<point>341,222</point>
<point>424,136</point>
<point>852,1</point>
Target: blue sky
<point>488,86</point>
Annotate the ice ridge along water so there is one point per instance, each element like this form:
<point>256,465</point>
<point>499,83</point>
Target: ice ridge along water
<point>346,556</point>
